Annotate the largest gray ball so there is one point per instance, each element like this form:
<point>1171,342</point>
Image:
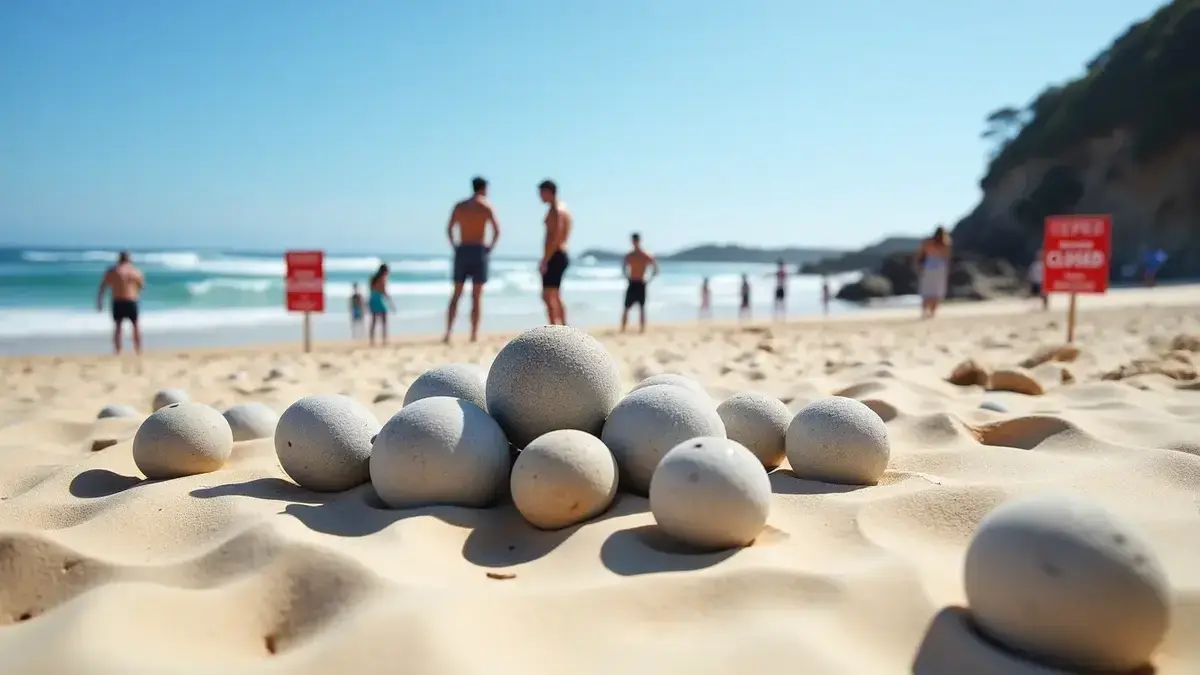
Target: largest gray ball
<point>440,450</point>
<point>550,378</point>
<point>649,422</point>
<point>838,440</point>
<point>1064,581</point>
<point>324,442</point>
<point>460,380</point>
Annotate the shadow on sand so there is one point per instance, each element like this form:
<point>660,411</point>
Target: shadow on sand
<point>953,646</point>
<point>786,482</point>
<point>95,483</point>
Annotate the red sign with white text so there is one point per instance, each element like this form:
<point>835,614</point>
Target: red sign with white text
<point>1075,254</point>
<point>305,281</point>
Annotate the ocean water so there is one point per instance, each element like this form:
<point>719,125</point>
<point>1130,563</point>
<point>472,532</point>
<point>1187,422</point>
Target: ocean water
<point>226,297</point>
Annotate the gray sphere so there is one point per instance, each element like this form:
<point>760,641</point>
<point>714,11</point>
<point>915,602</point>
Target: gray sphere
<point>250,421</point>
<point>838,440</point>
<point>994,406</point>
<point>165,397</point>
<point>760,423</point>
<point>460,380</point>
<point>550,378</point>
<point>674,379</point>
<point>440,450</point>
<point>711,493</point>
<point>324,442</point>
<point>562,478</point>
<point>118,410</point>
<point>1064,581</point>
<point>182,439</point>
<point>649,422</point>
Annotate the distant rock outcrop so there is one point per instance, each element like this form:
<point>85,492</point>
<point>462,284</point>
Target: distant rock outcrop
<point>729,253</point>
<point>972,277</point>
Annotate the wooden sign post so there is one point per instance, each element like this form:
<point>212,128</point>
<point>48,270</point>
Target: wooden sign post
<point>1076,251</point>
<point>305,286</point>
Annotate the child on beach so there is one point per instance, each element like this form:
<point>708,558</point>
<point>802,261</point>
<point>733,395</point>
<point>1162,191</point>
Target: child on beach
<point>356,313</point>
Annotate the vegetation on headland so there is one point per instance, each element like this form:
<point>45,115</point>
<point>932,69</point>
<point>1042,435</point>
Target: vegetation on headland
<point>730,253</point>
<point>1147,82</point>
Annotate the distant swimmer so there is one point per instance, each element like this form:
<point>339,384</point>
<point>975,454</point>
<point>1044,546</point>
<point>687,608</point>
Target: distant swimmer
<point>357,310</point>
<point>705,300</point>
<point>554,255</point>
<point>933,269</point>
<point>125,282</point>
<point>637,263</point>
<point>744,307</point>
<point>378,303</point>
<point>473,216</point>
<point>781,282</point>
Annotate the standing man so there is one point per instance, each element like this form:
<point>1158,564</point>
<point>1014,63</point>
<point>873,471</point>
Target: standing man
<point>637,263</point>
<point>781,281</point>
<point>126,283</point>
<point>473,216</point>
<point>554,257</point>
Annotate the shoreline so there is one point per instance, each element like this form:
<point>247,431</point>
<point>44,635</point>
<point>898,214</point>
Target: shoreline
<point>899,311</point>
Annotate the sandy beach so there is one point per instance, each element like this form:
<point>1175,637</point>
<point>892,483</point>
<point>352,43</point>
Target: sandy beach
<point>242,571</point>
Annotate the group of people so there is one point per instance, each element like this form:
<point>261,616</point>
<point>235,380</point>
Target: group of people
<point>778,309</point>
<point>472,231</point>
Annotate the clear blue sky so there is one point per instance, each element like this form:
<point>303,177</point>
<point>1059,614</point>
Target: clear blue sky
<point>355,124</point>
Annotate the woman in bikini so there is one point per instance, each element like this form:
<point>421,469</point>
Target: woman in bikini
<point>379,303</point>
<point>933,268</point>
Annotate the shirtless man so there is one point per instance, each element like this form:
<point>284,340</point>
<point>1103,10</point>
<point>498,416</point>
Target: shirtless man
<point>126,283</point>
<point>554,257</point>
<point>637,263</point>
<point>472,215</point>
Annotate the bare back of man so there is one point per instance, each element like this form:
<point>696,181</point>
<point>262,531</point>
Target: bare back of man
<point>125,282</point>
<point>471,217</point>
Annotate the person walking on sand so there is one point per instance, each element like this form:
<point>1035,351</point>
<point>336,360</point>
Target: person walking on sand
<point>553,265</point>
<point>781,281</point>
<point>705,300</point>
<point>933,269</point>
<point>379,303</point>
<point>125,282</point>
<point>472,216</point>
<point>637,263</point>
<point>825,296</point>
<point>1036,276</point>
<point>356,312</point>
<point>744,308</point>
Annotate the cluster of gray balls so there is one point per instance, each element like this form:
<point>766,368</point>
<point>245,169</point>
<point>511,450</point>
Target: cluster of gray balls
<point>553,398</point>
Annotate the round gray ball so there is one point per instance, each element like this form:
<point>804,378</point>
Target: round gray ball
<point>165,397</point>
<point>550,378</point>
<point>760,423</point>
<point>710,493</point>
<point>838,440</point>
<point>250,421</point>
<point>563,477</point>
<point>118,410</point>
<point>1062,580</point>
<point>324,442</point>
<point>674,379</point>
<point>182,439</point>
<point>460,380</point>
<point>440,450</point>
<point>649,422</point>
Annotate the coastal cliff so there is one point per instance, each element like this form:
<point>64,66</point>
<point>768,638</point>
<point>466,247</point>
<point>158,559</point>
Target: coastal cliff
<point>1122,139</point>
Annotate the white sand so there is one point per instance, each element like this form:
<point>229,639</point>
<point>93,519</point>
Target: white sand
<point>240,571</point>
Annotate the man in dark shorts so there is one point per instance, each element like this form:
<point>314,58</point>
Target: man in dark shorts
<point>125,283</point>
<point>781,281</point>
<point>472,216</point>
<point>553,265</point>
<point>637,263</point>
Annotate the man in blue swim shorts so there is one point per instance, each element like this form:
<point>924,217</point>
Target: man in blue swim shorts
<point>472,216</point>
